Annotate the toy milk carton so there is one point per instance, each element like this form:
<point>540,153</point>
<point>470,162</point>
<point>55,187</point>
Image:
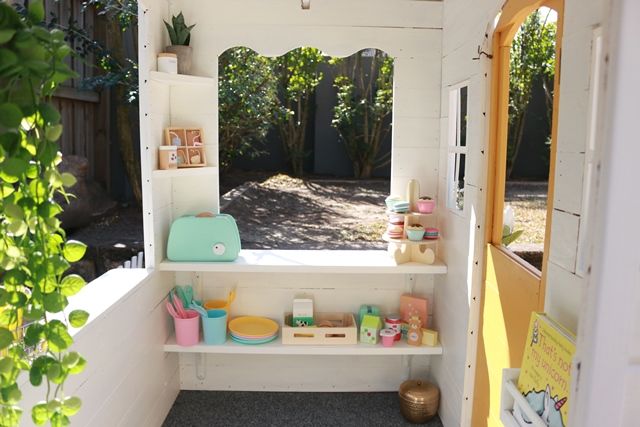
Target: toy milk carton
<point>370,329</point>
<point>302,312</point>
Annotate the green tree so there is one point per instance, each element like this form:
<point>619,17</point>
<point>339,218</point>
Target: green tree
<point>532,59</point>
<point>299,75</point>
<point>247,101</point>
<point>34,252</point>
<point>116,70</point>
<point>365,102</point>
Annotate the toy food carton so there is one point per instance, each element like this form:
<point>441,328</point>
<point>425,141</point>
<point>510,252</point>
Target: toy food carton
<point>370,329</point>
<point>413,305</point>
<point>302,312</point>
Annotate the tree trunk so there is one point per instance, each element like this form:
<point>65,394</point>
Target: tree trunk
<point>125,134</point>
<point>518,141</point>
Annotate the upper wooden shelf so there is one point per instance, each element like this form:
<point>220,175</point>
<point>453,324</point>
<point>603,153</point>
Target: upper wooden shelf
<point>181,79</point>
<point>312,261</point>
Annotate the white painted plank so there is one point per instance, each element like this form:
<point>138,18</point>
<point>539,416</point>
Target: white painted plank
<point>416,132</point>
<point>352,13</point>
<point>564,239</point>
<point>567,195</point>
<point>564,296</point>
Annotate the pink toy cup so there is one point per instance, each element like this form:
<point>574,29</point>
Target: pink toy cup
<point>188,330</point>
<point>388,337</point>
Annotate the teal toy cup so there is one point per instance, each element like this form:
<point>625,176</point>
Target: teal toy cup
<point>215,327</point>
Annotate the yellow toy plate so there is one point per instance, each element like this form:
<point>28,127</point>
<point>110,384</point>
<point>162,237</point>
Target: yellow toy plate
<point>252,326</point>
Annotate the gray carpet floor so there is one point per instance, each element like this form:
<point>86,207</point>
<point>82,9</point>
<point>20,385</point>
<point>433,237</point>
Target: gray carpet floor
<point>237,408</point>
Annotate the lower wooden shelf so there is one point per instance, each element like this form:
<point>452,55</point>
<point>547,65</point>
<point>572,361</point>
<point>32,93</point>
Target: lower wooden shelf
<point>276,347</point>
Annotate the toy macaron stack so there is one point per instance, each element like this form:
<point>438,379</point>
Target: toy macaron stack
<point>396,208</point>
<point>430,233</point>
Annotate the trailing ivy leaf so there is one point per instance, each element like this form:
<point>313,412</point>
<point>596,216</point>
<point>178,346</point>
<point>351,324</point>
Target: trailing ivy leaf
<point>57,336</point>
<point>78,318</point>
<point>6,35</point>
<point>68,180</point>
<point>34,314</point>
<point>6,338</point>
<point>79,367</point>
<point>12,210</point>
<point>6,365</point>
<point>50,115</point>
<point>10,115</point>
<point>17,299</point>
<point>49,209</point>
<point>55,302</point>
<point>74,250</point>
<point>17,228</point>
<point>53,133</point>
<point>10,416</point>
<point>8,318</point>
<point>71,405</point>
<point>55,372</point>
<point>12,168</point>
<point>71,285</point>
<point>40,413</point>
<point>34,334</point>
<point>59,420</point>
<point>11,394</point>
<point>36,11</point>
<point>71,359</point>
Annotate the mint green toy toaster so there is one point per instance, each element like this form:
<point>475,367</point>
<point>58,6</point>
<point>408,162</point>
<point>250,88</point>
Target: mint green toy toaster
<point>204,237</point>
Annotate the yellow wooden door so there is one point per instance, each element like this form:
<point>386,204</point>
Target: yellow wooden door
<point>512,288</point>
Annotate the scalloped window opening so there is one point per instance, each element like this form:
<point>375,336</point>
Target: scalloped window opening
<point>305,147</point>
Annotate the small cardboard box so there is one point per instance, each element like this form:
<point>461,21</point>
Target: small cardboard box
<point>429,337</point>
<point>343,331</point>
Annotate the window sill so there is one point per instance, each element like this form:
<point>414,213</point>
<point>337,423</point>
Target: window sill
<point>312,261</point>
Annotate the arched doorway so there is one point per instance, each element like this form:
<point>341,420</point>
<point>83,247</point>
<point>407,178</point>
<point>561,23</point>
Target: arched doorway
<point>512,287</point>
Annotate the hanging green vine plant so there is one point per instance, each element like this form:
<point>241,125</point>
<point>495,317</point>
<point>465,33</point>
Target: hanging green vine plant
<point>34,252</point>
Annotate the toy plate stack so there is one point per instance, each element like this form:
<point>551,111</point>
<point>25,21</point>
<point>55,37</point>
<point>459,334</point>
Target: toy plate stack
<point>253,330</point>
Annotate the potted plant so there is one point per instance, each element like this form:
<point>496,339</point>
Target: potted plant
<point>180,36</point>
<point>425,204</point>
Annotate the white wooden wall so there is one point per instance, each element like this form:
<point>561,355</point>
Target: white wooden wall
<point>609,337</point>
<point>463,233</point>
<point>128,380</point>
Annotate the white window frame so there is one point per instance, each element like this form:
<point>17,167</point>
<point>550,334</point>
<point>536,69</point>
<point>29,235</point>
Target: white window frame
<point>454,147</point>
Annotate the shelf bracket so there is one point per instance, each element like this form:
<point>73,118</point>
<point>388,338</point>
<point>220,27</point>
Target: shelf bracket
<point>407,361</point>
<point>409,283</point>
<point>197,281</point>
<point>201,369</point>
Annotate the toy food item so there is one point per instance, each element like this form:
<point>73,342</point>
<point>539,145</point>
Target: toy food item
<point>414,336</point>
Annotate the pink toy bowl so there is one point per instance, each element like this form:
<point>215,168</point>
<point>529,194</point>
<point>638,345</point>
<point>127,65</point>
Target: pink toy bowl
<point>388,337</point>
<point>425,205</point>
<point>188,330</point>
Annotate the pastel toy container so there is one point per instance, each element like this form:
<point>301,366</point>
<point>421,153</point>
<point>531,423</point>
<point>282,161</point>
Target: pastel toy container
<point>393,322</point>
<point>415,234</point>
<point>388,337</point>
<point>391,201</point>
<point>188,330</point>
<point>214,327</point>
<point>218,304</point>
<point>425,205</point>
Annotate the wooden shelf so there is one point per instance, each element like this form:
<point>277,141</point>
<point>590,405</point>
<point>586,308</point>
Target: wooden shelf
<point>183,172</point>
<point>386,238</point>
<point>181,79</point>
<point>416,214</point>
<point>314,261</point>
<point>276,347</point>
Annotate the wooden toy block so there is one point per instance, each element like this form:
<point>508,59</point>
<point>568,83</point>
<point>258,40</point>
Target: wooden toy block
<point>429,337</point>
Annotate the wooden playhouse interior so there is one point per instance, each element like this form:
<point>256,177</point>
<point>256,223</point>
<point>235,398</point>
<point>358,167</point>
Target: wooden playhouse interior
<point>478,295</point>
